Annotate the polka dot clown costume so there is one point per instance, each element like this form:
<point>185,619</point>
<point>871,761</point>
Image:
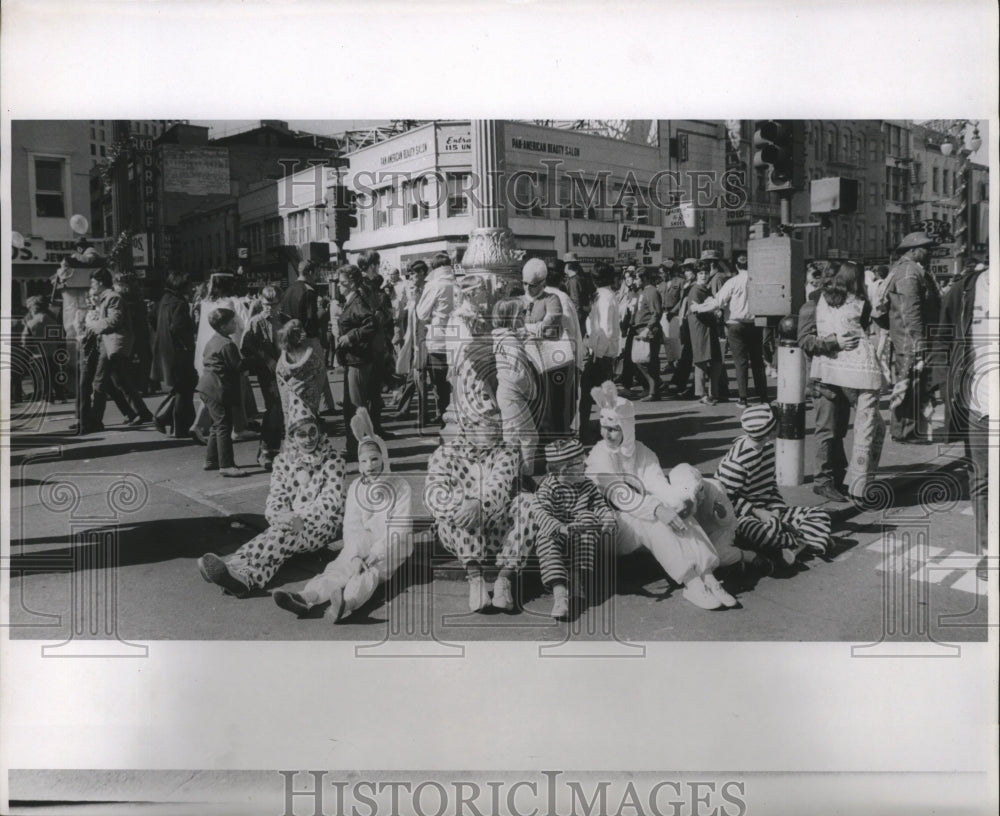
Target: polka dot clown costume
<point>305,507</point>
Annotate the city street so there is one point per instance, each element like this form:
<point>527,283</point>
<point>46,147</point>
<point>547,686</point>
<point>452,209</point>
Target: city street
<point>106,530</point>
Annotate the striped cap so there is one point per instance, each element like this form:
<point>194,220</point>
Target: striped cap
<point>563,450</point>
<point>758,420</point>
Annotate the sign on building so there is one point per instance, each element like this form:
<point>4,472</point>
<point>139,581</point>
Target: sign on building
<point>140,249</point>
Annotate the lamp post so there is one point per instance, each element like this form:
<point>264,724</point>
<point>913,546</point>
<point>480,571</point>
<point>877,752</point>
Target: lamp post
<point>967,143</point>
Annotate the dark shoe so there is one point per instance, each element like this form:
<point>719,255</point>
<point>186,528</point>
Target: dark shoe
<point>291,601</point>
<point>828,491</point>
<point>209,466</point>
<point>198,436</point>
<point>650,398</point>
<point>214,570</point>
<point>142,419</point>
<point>160,426</point>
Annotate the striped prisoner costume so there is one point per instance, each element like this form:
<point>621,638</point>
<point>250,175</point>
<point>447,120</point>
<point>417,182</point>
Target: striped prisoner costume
<point>560,501</point>
<point>747,475</point>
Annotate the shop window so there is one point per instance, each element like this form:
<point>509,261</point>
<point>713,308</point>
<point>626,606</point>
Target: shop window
<point>458,198</point>
<point>50,193</point>
<point>528,193</point>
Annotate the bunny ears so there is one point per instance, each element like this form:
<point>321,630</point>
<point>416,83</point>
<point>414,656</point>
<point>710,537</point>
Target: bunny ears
<point>605,396</point>
<point>361,424</point>
<point>364,432</point>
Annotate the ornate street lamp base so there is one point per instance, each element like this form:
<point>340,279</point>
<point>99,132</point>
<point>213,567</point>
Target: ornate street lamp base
<point>492,250</point>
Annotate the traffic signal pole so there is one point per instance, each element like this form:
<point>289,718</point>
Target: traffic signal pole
<point>790,445</point>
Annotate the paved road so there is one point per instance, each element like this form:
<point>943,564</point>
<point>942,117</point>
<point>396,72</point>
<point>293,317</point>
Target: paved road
<point>141,511</point>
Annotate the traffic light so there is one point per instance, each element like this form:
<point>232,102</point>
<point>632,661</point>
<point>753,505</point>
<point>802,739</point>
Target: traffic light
<point>780,148</point>
<point>345,214</point>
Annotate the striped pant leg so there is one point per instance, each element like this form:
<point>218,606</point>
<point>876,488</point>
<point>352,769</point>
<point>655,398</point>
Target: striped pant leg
<point>811,525</point>
<point>759,536</point>
<point>551,551</point>
<point>582,549</point>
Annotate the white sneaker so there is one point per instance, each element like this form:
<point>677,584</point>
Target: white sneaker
<point>560,607</point>
<point>697,593</point>
<point>502,597</point>
<point>479,597</point>
<point>713,586</point>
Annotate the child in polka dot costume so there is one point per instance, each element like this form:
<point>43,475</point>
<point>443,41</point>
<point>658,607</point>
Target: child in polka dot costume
<point>472,493</point>
<point>305,508</point>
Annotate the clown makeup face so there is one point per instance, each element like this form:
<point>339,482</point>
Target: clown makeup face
<point>306,436</point>
<point>612,435</point>
<point>370,463</point>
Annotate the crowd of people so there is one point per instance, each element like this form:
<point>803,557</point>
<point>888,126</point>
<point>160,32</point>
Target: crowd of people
<point>515,370</point>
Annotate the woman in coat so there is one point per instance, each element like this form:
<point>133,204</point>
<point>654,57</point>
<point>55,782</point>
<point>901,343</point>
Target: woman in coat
<point>706,352</point>
<point>173,358</point>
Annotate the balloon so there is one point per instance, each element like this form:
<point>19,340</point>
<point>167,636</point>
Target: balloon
<point>17,240</point>
<point>79,224</point>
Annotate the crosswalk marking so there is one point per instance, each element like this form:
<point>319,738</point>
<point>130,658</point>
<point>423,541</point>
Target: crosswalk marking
<point>930,564</point>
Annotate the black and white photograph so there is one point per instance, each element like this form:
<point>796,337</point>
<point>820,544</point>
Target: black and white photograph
<point>327,432</point>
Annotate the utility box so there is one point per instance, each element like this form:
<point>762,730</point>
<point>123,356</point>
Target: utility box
<point>833,195</point>
<point>776,269</point>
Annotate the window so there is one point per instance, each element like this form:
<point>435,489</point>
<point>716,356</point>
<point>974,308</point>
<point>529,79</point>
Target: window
<point>458,199</point>
<point>415,206</point>
<point>873,194</point>
<point>104,152</point>
<point>299,231</point>
<point>50,198</point>
<point>944,180</point>
<point>103,137</point>
<point>272,232</point>
<point>93,149</point>
<point>934,180</point>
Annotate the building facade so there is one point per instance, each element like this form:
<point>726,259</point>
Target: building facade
<point>564,191</point>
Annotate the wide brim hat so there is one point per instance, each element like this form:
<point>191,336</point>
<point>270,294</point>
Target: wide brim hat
<point>710,255</point>
<point>689,262</point>
<point>570,257</point>
<point>915,240</point>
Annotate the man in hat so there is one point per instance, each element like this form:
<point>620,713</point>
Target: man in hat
<point>718,274</point>
<point>746,341</point>
<point>260,352</point>
<point>914,305</point>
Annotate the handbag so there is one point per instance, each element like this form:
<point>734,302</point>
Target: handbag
<point>547,355</point>
<point>640,351</point>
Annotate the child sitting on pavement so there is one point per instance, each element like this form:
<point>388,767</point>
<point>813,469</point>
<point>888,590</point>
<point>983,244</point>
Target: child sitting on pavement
<point>765,524</point>
<point>378,520</point>
<point>572,514</point>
